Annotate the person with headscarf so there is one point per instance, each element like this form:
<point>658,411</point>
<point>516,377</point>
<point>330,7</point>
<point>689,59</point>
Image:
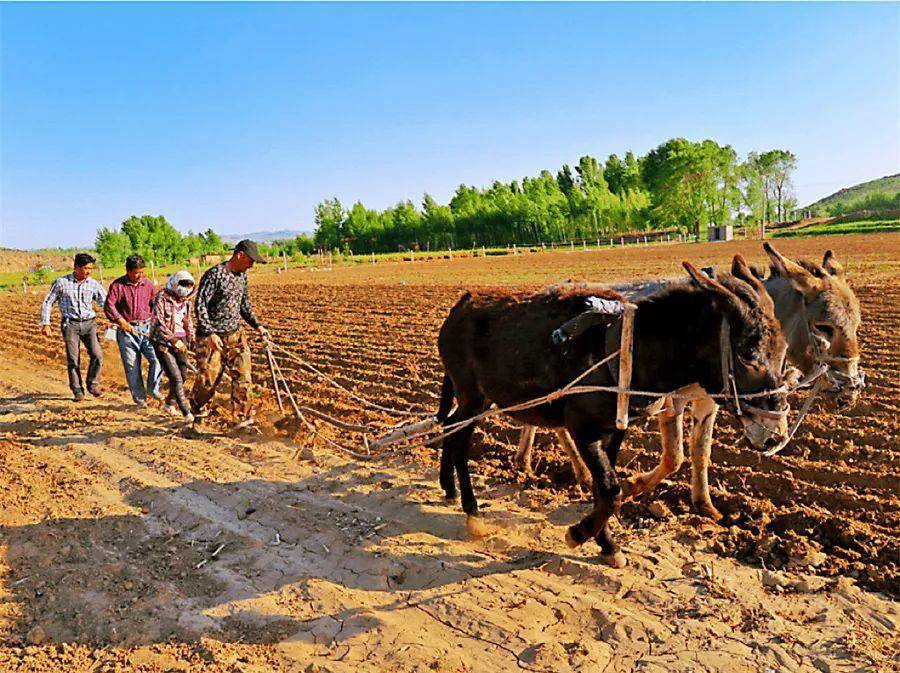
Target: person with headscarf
<point>172,335</point>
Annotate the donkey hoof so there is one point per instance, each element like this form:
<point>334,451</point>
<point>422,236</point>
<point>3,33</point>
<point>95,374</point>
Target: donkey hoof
<point>708,510</point>
<point>477,527</point>
<point>615,560</point>
<point>631,487</point>
<point>571,542</point>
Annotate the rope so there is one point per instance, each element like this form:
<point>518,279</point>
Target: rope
<point>359,398</point>
<point>569,389</point>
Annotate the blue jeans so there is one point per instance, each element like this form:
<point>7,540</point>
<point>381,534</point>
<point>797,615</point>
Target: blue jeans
<point>131,348</point>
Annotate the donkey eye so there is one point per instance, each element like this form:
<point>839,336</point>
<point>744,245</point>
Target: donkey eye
<point>826,329</point>
<point>751,361</point>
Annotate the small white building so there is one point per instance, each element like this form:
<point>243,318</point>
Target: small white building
<point>722,232</point>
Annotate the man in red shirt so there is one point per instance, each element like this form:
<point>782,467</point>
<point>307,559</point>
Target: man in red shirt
<point>128,306</point>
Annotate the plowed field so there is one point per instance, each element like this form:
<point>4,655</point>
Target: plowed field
<point>112,520</point>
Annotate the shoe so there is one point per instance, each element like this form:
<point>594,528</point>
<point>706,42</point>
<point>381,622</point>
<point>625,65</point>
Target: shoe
<point>79,397</point>
<point>96,391</point>
<point>159,397</point>
<point>189,419</point>
<point>170,409</point>
<point>142,404</point>
<point>246,423</point>
<point>200,413</point>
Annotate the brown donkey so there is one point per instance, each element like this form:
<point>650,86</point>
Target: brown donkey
<point>819,316</point>
<point>497,349</point>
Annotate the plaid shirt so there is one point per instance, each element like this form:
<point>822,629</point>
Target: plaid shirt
<point>75,299</point>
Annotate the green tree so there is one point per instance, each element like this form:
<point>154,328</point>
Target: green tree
<point>112,247</point>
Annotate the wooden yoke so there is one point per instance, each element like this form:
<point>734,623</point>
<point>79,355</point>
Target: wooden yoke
<point>625,361</point>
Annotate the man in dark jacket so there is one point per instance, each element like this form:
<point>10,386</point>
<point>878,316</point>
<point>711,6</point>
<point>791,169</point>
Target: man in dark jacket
<point>222,303</point>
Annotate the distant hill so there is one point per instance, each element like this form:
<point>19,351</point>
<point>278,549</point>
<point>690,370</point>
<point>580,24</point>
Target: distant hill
<point>265,236</point>
<point>890,185</point>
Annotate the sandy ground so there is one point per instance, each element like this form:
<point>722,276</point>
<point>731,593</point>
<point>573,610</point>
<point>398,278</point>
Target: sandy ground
<point>127,546</point>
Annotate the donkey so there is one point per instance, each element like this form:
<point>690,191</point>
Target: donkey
<point>819,316</point>
<point>496,348</point>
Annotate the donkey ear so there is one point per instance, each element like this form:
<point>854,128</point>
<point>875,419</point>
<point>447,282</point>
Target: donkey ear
<point>831,265</point>
<point>740,269</point>
<point>712,287</point>
<point>802,280</point>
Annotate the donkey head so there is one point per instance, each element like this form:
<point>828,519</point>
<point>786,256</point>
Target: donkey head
<point>757,349</point>
<point>832,318</point>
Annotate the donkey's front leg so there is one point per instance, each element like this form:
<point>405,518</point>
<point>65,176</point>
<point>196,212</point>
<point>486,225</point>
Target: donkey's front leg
<point>607,497</point>
<point>704,412</point>
<point>671,423</point>
<point>582,474</point>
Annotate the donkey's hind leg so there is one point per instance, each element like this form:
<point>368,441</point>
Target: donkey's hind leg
<point>582,474</point>
<point>456,451</point>
<point>523,454</point>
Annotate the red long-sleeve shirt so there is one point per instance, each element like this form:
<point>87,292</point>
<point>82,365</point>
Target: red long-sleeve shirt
<point>129,300</point>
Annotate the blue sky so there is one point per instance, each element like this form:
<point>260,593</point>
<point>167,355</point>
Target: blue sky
<point>243,117</point>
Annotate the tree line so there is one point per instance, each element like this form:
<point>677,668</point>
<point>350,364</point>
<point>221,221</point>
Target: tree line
<point>679,185</point>
<point>154,238</point>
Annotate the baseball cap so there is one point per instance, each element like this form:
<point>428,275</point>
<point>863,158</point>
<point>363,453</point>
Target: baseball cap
<point>248,247</point>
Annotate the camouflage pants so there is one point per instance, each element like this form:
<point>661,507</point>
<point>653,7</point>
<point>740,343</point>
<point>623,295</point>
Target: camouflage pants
<point>234,357</point>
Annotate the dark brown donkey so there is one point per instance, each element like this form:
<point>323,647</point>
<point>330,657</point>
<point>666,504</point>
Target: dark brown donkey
<point>496,349</point>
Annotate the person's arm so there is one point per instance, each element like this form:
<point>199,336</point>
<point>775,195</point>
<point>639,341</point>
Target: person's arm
<point>99,294</point>
<point>204,295</point>
<point>109,305</point>
<point>158,306</point>
<point>47,305</point>
<point>247,309</point>
<point>189,327</point>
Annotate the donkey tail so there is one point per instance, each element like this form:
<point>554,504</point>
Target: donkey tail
<point>448,393</point>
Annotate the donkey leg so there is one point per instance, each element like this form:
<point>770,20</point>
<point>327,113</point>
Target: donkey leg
<point>704,412</point>
<point>607,496</point>
<point>457,446</point>
<point>523,454</point>
<point>610,552</point>
<point>671,425</point>
<point>447,478</point>
<point>582,474</point>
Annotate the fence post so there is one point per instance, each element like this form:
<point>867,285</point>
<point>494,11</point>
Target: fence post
<point>373,258</point>
<point>515,251</point>
<point>622,240</point>
<point>483,253</point>
<point>284,259</point>
<point>24,285</point>
<point>572,246</point>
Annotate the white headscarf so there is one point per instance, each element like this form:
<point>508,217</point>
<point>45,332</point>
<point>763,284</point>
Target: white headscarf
<point>175,279</point>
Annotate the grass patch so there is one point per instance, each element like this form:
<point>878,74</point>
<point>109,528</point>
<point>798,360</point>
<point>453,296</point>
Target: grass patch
<point>867,226</point>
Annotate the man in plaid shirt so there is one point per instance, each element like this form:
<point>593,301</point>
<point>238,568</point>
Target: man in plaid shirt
<point>76,293</point>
